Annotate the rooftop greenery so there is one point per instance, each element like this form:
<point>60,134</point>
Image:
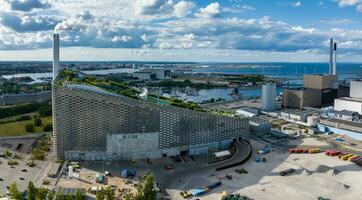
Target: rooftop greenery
<point>122,88</point>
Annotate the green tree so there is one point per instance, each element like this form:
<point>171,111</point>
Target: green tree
<point>42,194</point>
<point>37,121</point>
<point>14,192</point>
<point>100,195</point>
<point>147,190</point>
<point>79,195</point>
<point>29,128</point>
<point>110,194</point>
<point>31,191</point>
<point>50,195</point>
<point>48,128</point>
<point>45,110</point>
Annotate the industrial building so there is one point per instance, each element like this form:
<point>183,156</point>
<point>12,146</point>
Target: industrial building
<point>23,98</point>
<point>269,94</point>
<point>297,115</point>
<point>341,127</point>
<point>152,74</point>
<point>318,91</point>
<point>352,103</point>
<point>90,123</point>
<point>259,126</point>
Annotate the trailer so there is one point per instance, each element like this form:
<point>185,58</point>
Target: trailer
<point>213,185</point>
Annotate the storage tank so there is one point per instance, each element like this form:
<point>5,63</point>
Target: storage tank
<point>269,93</point>
<point>70,170</point>
<point>312,120</point>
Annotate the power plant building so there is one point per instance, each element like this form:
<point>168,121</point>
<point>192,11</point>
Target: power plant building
<point>90,123</point>
<point>318,91</point>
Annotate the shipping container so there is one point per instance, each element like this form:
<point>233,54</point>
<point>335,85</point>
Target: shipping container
<point>352,157</point>
<point>299,150</point>
<point>315,150</point>
<point>356,158</point>
<point>346,157</point>
<point>337,153</point>
<point>341,155</point>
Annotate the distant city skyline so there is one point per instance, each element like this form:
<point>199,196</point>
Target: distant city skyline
<point>181,30</point>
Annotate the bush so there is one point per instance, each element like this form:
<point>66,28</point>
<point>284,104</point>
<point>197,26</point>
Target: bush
<point>12,162</point>
<point>17,157</point>
<point>23,118</point>
<point>7,153</point>
<point>37,121</point>
<point>48,128</point>
<point>31,163</point>
<point>39,154</point>
<point>29,128</point>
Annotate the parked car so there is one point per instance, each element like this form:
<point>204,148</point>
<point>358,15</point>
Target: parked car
<point>168,167</point>
<point>286,172</point>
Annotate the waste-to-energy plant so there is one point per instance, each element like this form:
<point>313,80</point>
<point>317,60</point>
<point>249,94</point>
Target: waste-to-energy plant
<point>91,123</point>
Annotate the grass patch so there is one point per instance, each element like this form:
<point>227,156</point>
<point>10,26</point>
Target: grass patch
<point>18,128</point>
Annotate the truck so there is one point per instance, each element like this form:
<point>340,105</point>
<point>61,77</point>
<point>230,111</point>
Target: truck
<point>128,173</point>
<point>286,172</point>
<point>264,150</point>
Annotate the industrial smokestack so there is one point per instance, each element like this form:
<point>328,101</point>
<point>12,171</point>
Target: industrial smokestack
<point>331,46</point>
<point>335,59</point>
<point>56,64</point>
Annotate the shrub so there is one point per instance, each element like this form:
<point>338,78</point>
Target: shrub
<point>17,157</point>
<point>39,154</point>
<point>23,118</point>
<point>31,163</point>
<point>48,128</point>
<point>7,153</point>
<point>29,128</point>
<point>12,162</point>
<point>37,121</point>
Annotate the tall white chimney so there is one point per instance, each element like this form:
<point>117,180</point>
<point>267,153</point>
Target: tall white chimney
<point>331,51</point>
<point>334,59</point>
<point>56,64</point>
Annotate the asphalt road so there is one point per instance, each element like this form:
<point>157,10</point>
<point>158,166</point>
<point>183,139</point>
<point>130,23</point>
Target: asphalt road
<point>169,179</point>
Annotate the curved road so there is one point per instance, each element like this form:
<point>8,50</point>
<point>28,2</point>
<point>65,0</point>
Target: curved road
<point>242,151</point>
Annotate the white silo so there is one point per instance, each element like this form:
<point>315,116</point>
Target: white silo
<point>269,94</point>
<point>70,170</point>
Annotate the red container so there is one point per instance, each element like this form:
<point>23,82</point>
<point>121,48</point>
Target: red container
<point>291,150</point>
<point>298,150</point>
<point>336,153</point>
<point>329,152</point>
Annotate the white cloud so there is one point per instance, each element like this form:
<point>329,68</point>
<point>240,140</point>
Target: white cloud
<point>210,11</point>
<point>123,38</point>
<point>183,8</point>
<point>296,4</point>
<point>343,3</point>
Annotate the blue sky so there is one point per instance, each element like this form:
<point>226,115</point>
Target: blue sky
<point>182,30</point>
